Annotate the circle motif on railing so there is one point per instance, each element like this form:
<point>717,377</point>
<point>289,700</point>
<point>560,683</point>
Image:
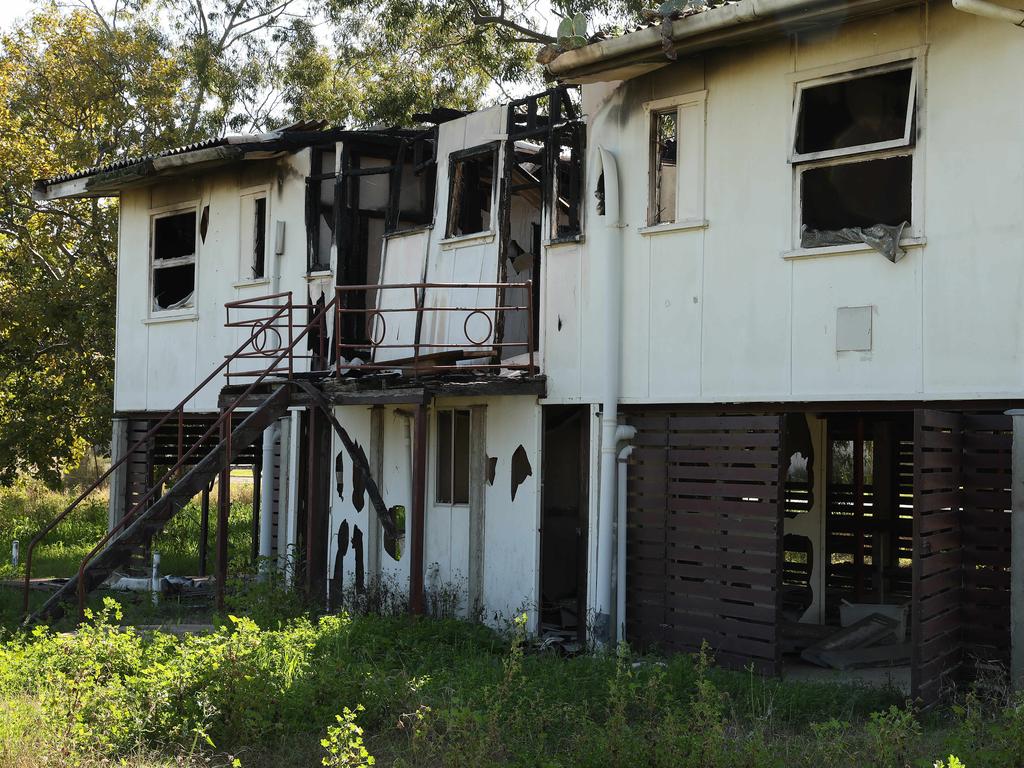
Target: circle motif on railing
<point>490,328</point>
<point>376,327</point>
<point>261,338</point>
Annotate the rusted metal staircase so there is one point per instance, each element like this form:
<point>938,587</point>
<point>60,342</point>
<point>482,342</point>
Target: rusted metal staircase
<point>119,546</point>
<point>239,424</point>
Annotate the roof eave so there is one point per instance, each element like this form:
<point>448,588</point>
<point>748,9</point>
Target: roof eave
<point>640,52</point>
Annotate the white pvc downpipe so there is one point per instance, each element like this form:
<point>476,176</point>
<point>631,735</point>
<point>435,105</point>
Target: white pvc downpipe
<point>991,11</point>
<point>620,541</point>
<point>267,496</point>
<point>607,248</point>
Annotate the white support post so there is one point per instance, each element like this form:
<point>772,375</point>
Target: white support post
<point>116,487</point>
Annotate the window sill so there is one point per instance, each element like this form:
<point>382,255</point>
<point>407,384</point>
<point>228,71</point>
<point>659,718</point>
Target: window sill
<point>263,281</point>
<point>907,243</point>
<point>408,231</point>
<point>673,226</point>
<point>320,274</point>
<point>563,241</point>
<point>462,240</point>
<point>172,316</point>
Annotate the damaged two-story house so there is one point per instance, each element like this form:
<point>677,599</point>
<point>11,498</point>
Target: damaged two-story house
<point>717,341</point>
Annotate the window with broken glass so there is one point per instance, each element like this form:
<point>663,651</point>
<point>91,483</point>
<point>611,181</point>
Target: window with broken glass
<point>253,236</point>
<point>664,142</point>
<point>852,149</point>
<point>452,463</point>
<point>173,261</point>
<point>471,191</point>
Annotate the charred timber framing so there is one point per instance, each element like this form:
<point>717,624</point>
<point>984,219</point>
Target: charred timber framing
<point>391,390</point>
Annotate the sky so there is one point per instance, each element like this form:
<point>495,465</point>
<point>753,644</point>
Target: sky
<point>10,10</point>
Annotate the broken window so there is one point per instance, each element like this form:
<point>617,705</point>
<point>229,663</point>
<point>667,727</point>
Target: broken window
<point>853,139</point>
<point>453,456</point>
<point>471,191</point>
<point>664,140</point>
<point>254,236</point>
<point>567,182</point>
<point>320,209</point>
<point>174,260</point>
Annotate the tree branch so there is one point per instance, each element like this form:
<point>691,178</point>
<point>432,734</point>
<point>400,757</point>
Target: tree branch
<point>485,19</point>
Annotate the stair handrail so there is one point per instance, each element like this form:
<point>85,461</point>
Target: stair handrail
<point>222,419</point>
<point>286,308</point>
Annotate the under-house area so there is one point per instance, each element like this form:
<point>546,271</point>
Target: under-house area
<point>874,544</point>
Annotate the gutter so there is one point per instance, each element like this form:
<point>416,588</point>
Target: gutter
<point>991,11</point>
<point>732,24</point>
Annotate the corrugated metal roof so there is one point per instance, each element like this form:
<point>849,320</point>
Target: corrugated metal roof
<point>125,162</point>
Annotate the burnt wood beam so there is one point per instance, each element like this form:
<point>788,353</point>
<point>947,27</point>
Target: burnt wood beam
<point>357,456</point>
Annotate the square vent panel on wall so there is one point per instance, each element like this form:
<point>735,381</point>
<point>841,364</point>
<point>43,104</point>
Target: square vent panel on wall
<point>853,329</point>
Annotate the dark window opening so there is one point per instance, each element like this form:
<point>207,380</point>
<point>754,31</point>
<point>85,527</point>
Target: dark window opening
<point>861,193</point>
<point>453,456</point>
<point>174,237</point>
<point>568,182</point>
<point>174,260</point>
<point>665,135</point>
<point>854,113</point>
<point>470,193</point>
<point>173,286</point>
<point>320,209</point>
<point>259,238</point>
<point>550,123</point>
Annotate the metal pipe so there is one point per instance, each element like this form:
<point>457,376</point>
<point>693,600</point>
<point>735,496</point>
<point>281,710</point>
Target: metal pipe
<point>607,255</point>
<point>620,566</point>
<point>991,11</point>
<point>270,436</point>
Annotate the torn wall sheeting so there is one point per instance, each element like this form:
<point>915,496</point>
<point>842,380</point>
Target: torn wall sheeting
<point>405,259</point>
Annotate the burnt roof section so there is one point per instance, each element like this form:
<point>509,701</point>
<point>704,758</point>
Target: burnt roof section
<point>107,178</point>
<point>125,162</point>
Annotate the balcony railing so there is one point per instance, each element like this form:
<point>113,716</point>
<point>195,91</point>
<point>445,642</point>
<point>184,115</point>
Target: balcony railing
<point>412,327</point>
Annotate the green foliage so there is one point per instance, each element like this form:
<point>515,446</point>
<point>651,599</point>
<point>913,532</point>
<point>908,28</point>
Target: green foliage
<point>344,743</point>
<point>893,736</point>
<point>572,32</point>
<point>415,692</point>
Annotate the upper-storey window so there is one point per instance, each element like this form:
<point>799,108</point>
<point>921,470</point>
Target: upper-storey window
<point>254,236</point>
<point>665,137</point>
<point>676,172</point>
<point>173,262</point>
<point>853,150</point>
<point>471,191</point>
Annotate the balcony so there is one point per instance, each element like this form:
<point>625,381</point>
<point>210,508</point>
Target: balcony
<point>407,329</point>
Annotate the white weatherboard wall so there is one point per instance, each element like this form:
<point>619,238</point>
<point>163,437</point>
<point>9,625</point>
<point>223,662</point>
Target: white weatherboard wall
<point>717,313</point>
<point>511,529</point>
<point>161,356</point>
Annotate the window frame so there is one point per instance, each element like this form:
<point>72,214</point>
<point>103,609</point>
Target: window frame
<point>915,149</point>
<point>695,195</point>
<point>245,260</point>
<point>493,148</point>
<point>452,410</point>
<point>191,206</point>
<point>913,103</point>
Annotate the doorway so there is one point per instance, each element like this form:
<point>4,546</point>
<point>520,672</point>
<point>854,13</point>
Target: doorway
<point>564,517</point>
